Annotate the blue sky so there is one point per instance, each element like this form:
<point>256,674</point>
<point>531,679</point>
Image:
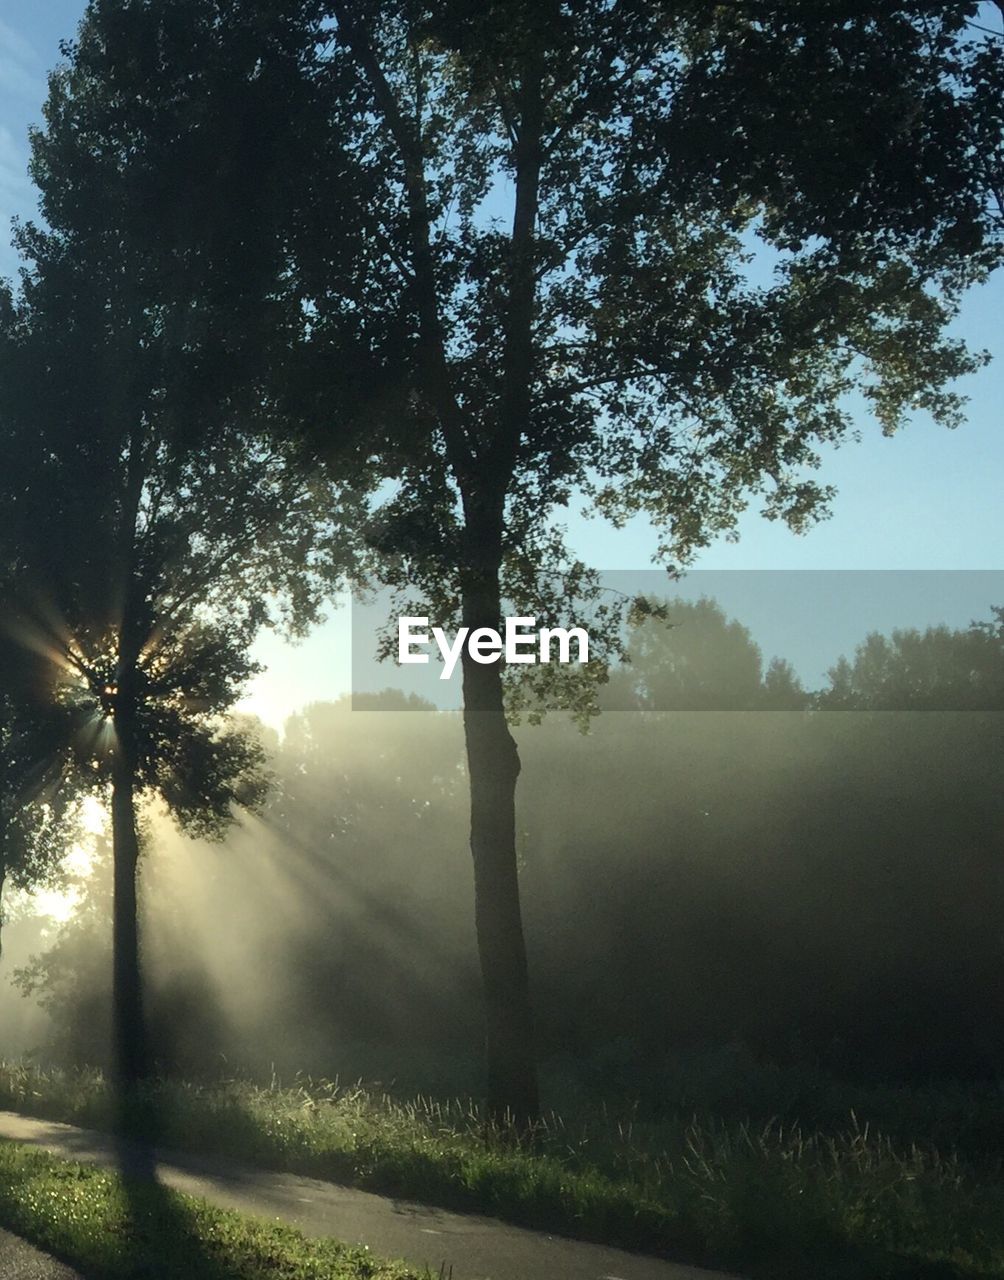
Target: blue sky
<point>925,500</point>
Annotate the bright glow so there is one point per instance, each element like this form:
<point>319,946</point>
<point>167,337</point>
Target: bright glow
<point>318,669</point>
<point>55,903</point>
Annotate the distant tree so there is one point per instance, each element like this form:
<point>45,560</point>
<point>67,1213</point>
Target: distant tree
<point>695,659</point>
<point>782,690</point>
<point>390,700</point>
<point>389,761</point>
<point>68,977</point>
<point>519,236</point>
<point>939,669</point>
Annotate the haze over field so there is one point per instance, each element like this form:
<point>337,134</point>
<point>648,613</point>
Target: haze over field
<point>815,885</point>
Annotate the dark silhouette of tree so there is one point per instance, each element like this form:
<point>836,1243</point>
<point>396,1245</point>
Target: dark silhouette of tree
<point>38,804</point>
<point>519,236</point>
<point>38,810</point>
<point>140,663</point>
<point>159,529</point>
<point>939,669</point>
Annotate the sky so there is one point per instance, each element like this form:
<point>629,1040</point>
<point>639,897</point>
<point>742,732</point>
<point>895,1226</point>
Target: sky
<point>924,506</point>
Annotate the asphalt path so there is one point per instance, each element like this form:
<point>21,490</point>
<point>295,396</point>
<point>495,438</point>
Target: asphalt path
<point>21,1261</point>
<point>475,1247</point>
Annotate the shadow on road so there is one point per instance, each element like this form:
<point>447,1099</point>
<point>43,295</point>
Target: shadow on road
<point>160,1236</point>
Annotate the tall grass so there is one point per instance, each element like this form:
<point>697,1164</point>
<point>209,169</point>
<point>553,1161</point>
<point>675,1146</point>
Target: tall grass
<point>770,1198</point>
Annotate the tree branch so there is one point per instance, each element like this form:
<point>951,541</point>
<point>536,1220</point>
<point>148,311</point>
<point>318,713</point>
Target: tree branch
<point>517,355</point>
<point>435,367</point>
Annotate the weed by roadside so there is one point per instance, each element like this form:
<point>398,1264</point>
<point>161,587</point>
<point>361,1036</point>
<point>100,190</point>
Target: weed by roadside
<point>762,1198</point>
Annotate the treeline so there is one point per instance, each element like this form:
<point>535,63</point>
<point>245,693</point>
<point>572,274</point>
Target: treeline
<point>817,885</point>
<point>690,657</point>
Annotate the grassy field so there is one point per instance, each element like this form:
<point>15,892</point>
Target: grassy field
<point>119,1229</point>
<point>768,1197</point>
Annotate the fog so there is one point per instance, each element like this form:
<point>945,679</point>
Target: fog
<point>808,885</point>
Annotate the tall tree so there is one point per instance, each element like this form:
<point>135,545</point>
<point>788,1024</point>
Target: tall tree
<point>523,238</point>
<point>159,529</point>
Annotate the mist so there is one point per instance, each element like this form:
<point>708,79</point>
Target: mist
<point>809,886</point>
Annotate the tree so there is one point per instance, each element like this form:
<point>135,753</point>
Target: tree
<point>521,238</point>
<point>939,669</point>
<point>116,595</point>
<point>690,657</point>
<point>38,814</point>
<point>158,530</point>
<point>38,809</point>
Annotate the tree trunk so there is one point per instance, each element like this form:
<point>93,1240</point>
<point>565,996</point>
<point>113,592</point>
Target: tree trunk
<point>128,1024</point>
<point>493,767</point>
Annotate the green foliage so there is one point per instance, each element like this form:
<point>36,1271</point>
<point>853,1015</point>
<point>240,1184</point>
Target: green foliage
<point>509,253</point>
<point>935,670</point>
<point>153,530</point>
<point>772,1199</point>
<point>119,1228</point>
<point>39,810</point>
<point>70,979</point>
<point>38,816</point>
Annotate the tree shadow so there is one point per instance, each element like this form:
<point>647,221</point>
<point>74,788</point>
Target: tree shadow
<point>160,1239</point>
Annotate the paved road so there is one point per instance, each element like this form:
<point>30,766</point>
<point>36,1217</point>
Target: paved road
<point>476,1248</point>
<point>20,1261</point>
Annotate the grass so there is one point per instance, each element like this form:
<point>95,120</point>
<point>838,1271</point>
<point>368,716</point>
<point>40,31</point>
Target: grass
<point>120,1229</point>
<point>770,1198</point>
